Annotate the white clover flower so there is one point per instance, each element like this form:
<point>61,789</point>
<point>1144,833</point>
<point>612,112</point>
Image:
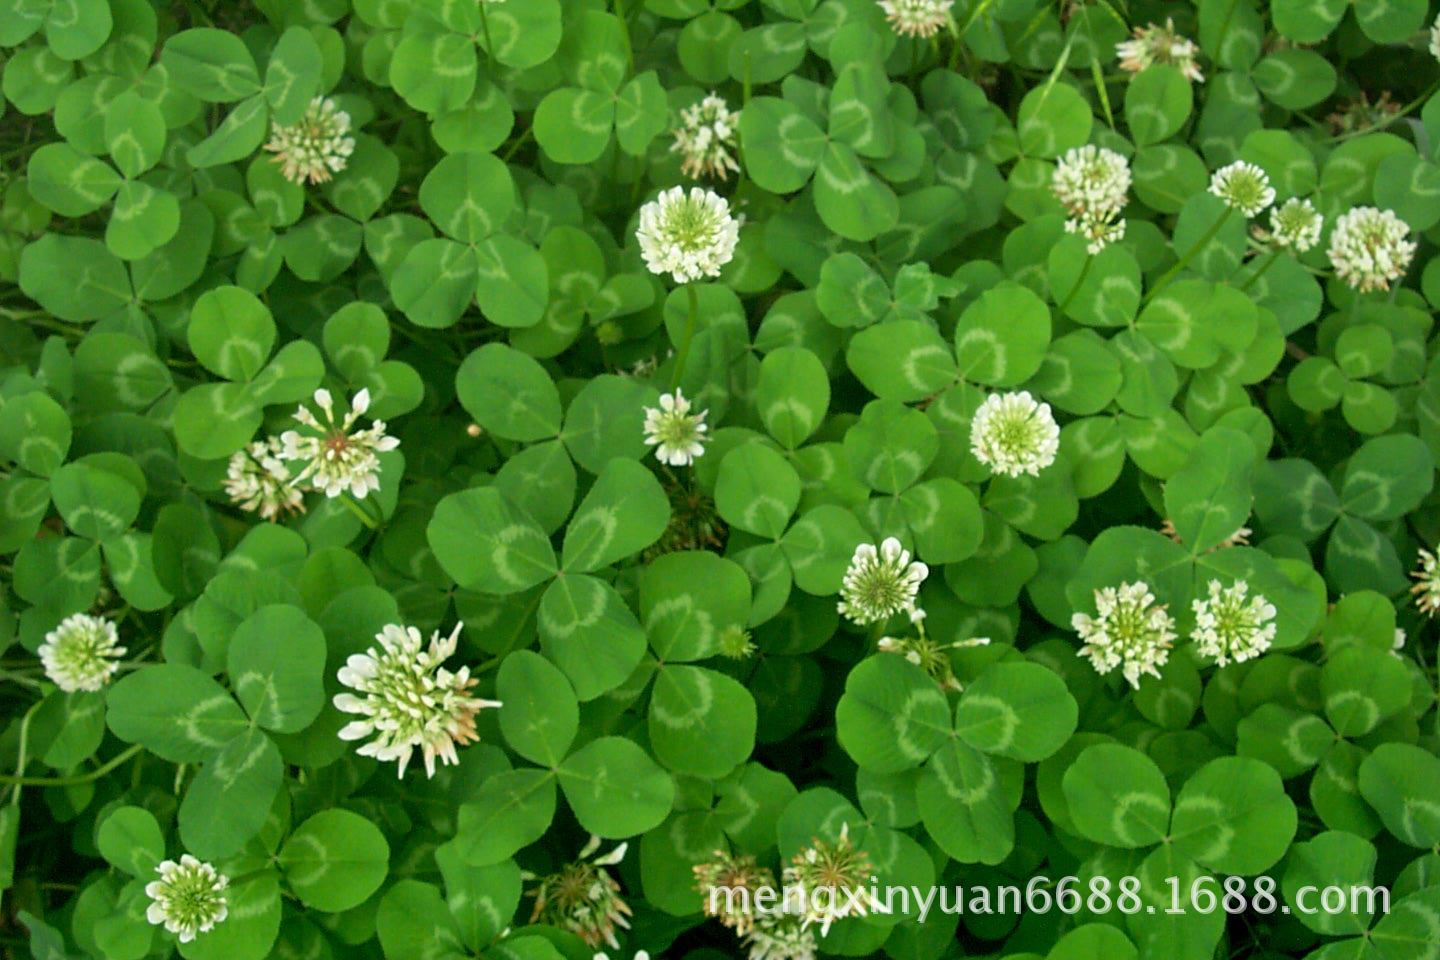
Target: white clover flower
<point>706,138</point>
<point>82,653</point>
<point>1232,626</point>
<point>1099,232</point>
<point>780,935</point>
<point>1154,44</point>
<point>1296,225</point>
<point>829,881</point>
<point>1368,248</point>
<point>688,236</point>
<point>929,655</point>
<point>1012,434</point>
<point>1129,631</point>
<point>257,480</point>
<point>917,18</point>
<point>1244,187</point>
<point>1093,184</point>
<point>315,147</point>
<point>880,583</point>
<point>732,872</point>
<point>189,898</point>
<point>583,898</point>
<point>337,458</point>
<point>407,699</point>
<point>677,435</point>
<point>1427,589</point>
<point>1090,181</point>
<point>1435,38</point>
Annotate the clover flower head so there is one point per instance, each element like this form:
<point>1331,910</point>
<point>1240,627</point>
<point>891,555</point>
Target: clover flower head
<point>1435,38</point>
<point>1369,249</point>
<point>338,456</point>
<point>82,653</point>
<point>1152,44</point>
<point>1244,187</point>
<point>1231,625</point>
<point>705,139</point>
<point>780,935</point>
<point>257,480</point>
<point>1012,434</point>
<point>584,898</point>
<point>687,235</point>
<point>917,18</point>
<point>1296,225</point>
<point>188,899</point>
<point>1099,231</point>
<point>405,699</point>
<point>677,435</point>
<point>1130,631</point>
<point>828,874</point>
<point>735,643</point>
<point>731,872</point>
<point>1427,586</point>
<point>316,147</point>
<point>930,655</point>
<point>1090,181</point>
<point>880,582</point>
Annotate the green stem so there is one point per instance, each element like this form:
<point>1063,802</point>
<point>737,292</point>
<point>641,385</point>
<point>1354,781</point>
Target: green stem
<point>95,774</point>
<point>517,143</point>
<point>13,677</point>
<point>505,651</point>
<point>54,326</point>
<point>358,510</point>
<point>689,337</point>
<point>1184,261</point>
<point>489,45</point>
<point>198,14</point>
<point>24,750</point>
<point>1274,255</point>
<point>625,33</point>
<point>1079,282</point>
<point>1389,121</point>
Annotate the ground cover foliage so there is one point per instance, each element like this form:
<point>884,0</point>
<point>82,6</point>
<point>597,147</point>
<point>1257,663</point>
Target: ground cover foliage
<point>716,441</point>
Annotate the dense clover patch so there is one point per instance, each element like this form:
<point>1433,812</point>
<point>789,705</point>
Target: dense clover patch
<point>477,477</point>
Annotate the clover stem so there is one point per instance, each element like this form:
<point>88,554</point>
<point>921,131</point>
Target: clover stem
<point>515,637</point>
<point>489,46</point>
<point>24,749</point>
<point>517,143</point>
<point>1269,261</point>
<point>877,630</point>
<point>22,679</point>
<point>689,337</point>
<point>1189,255</point>
<point>95,774</point>
<point>1079,282</point>
<point>625,33</point>
<point>358,510</point>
